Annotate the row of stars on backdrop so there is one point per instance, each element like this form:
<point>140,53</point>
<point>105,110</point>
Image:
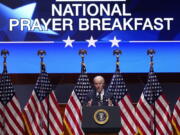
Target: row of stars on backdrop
<point>92,42</point>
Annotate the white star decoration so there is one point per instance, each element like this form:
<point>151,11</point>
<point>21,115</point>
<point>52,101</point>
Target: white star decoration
<point>91,42</point>
<point>115,42</point>
<point>68,42</point>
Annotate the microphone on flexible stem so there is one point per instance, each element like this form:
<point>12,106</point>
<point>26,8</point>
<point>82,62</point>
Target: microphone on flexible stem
<point>99,99</point>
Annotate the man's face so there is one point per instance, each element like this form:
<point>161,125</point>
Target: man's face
<point>99,84</point>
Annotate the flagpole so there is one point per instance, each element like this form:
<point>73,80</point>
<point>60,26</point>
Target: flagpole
<point>42,53</point>
<point>82,52</point>
<point>117,52</point>
<point>151,52</point>
<point>4,53</point>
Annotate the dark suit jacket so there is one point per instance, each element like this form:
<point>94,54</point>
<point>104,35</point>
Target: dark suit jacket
<point>96,99</point>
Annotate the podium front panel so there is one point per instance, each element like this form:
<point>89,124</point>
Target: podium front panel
<point>91,125</point>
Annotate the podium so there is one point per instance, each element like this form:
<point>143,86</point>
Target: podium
<point>101,119</point>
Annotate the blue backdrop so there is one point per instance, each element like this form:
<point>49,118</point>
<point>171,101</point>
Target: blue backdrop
<point>23,57</point>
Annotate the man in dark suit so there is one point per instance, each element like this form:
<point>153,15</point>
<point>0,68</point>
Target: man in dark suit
<point>99,96</point>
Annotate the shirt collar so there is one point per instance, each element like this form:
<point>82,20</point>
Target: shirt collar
<point>102,92</point>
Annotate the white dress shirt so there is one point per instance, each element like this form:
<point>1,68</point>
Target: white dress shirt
<point>101,94</point>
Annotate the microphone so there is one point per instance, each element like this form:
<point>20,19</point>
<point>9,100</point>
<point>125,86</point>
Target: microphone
<point>99,99</point>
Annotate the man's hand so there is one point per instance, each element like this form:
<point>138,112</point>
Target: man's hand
<point>110,102</point>
<point>89,103</point>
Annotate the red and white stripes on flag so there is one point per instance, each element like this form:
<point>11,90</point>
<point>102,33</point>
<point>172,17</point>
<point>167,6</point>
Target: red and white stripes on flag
<point>176,117</point>
<point>39,119</point>
<point>152,111</point>
<point>73,110</point>
<point>11,122</point>
<point>127,113</point>
<point>146,114</point>
<point>73,115</point>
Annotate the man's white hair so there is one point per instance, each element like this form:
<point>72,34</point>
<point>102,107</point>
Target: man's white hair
<point>99,77</point>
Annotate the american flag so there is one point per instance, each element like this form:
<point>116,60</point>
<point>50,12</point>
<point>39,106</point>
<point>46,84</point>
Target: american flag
<point>176,117</point>
<point>122,98</point>
<point>152,111</point>
<point>11,121</point>
<point>73,110</point>
<point>42,113</point>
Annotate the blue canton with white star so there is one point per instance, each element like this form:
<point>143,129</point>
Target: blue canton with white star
<point>83,87</point>
<point>43,86</point>
<point>117,87</point>
<point>6,89</point>
<point>152,89</point>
